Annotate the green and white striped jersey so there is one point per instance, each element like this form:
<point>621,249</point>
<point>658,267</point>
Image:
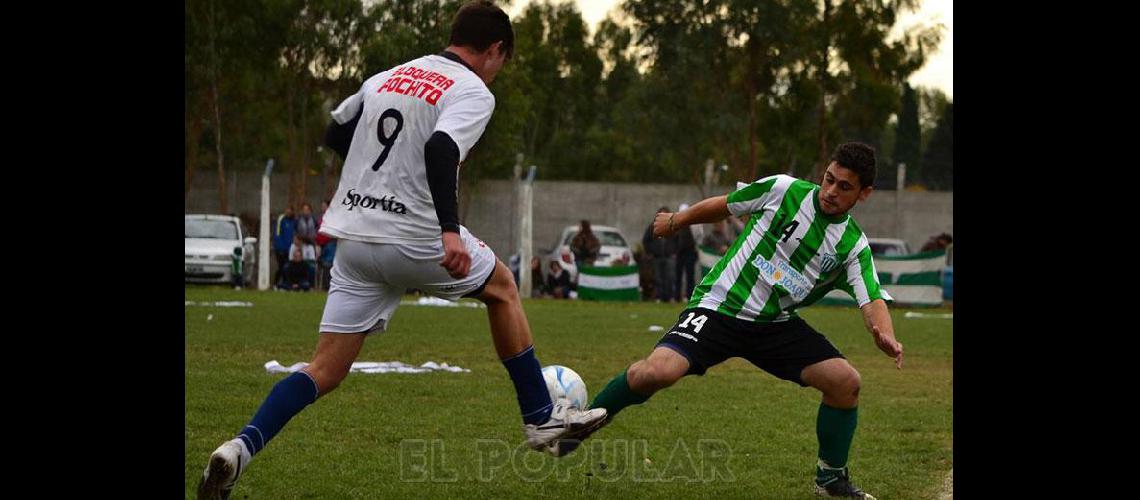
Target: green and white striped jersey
<point>789,255</point>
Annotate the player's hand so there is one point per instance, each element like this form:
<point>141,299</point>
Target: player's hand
<point>455,257</point>
<point>661,225</point>
<point>889,345</point>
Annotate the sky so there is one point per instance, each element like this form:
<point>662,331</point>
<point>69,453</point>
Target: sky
<point>938,71</point>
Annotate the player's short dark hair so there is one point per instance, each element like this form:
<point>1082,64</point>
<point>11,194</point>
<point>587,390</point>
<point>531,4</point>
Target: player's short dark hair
<point>481,23</point>
<point>859,158</point>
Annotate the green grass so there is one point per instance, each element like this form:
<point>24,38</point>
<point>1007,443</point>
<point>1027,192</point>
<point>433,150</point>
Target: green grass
<point>365,439</point>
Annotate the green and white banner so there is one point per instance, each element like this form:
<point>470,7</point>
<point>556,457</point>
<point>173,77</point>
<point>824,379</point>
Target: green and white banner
<point>707,258</point>
<point>608,283</point>
<point>909,279</point>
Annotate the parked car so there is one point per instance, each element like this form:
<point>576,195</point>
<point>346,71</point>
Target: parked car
<point>614,252</point>
<point>888,247</point>
<point>212,243</point>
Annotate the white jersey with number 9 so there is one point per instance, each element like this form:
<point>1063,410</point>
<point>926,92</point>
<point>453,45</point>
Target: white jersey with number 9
<point>383,196</point>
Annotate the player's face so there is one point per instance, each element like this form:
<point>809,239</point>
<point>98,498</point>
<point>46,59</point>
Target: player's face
<point>494,62</point>
<point>840,190</point>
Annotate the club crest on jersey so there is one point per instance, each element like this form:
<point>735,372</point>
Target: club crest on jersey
<point>385,203</point>
<point>827,263</point>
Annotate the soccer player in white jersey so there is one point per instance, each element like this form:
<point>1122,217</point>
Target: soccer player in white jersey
<point>799,244</point>
<point>403,136</point>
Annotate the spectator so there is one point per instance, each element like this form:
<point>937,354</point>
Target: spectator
<point>686,261</point>
<point>514,263</point>
<point>644,272</point>
<point>236,270</point>
<point>698,230</point>
<point>559,280</point>
<point>937,242</point>
<point>585,245</point>
<point>326,249</point>
<point>717,239</point>
<point>538,286</point>
<point>295,276</point>
<point>321,217</point>
<point>308,257</point>
<point>282,238</point>
<point>307,224</point>
<point>663,253</point>
<point>321,239</point>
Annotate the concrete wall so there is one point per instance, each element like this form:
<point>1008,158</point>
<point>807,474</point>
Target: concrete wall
<point>920,215</point>
<point>487,208</point>
<point>557,204</point>
<point>630,207</point>
<point>243,192</point>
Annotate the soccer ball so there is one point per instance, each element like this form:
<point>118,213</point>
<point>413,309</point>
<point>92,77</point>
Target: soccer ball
<point>563,382</point>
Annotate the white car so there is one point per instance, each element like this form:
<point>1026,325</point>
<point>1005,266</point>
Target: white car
<point>888,247</point>
<point>614,252</point>
<point>212,242</point>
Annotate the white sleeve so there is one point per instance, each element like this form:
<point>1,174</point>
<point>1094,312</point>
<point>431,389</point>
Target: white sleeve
<point>751,198</point>
<point>349,107</point>
<point>862,277</point>
<point>464,116</point>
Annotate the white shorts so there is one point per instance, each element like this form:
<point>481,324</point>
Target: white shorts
<point>369,279</point>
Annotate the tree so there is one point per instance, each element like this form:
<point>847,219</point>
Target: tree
<point>931,105</point>
<point>230,61</point>
<point>560,79</point>
<point>908,137</point>
<point>862,81</point>
<point>938,162</point>
<point>764,86</point>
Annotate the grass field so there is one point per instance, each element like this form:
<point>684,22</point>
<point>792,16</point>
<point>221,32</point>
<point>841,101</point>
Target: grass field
<point>736,432</point>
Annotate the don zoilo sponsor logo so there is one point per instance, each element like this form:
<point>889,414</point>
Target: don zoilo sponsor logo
<point>385,203</point>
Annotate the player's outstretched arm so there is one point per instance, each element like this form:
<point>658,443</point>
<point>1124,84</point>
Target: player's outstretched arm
<point>705,211</point>
<point>878,321</point>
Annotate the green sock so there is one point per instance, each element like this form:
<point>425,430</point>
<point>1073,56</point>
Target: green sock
<point>835,428</point>
<point>617,395</point>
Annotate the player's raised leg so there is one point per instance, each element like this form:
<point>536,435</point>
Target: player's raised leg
<point>544,421</point>
<point>663,368</point>
<point>634,385</point>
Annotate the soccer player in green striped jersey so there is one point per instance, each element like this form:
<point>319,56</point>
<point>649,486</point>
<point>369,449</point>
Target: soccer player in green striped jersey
<point>799,243</point>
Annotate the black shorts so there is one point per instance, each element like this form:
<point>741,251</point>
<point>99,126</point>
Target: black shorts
<point>783,349</point>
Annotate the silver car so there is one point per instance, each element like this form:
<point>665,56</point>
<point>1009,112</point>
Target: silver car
<point>213,242</point>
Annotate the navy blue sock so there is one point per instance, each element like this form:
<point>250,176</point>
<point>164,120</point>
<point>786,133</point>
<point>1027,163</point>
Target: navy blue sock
<point>526,373</point>
<point>288,398</point>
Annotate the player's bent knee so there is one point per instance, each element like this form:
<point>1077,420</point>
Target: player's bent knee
<point>648,376</point>
<point>639,377</point>
<point>845,387</point>
<point>666,373</point>
<point>853,382</point>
